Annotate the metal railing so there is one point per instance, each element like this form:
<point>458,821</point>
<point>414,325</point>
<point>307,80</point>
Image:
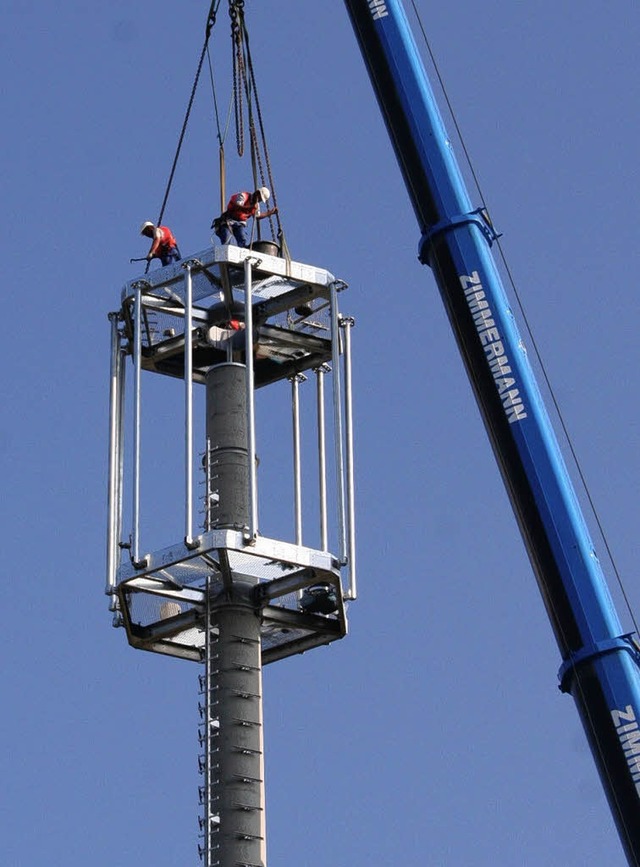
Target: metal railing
<point>134,314</point>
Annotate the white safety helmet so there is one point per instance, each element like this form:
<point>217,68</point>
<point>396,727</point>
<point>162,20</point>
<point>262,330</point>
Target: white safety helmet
<point>146,225</point>
<point>264,193</point>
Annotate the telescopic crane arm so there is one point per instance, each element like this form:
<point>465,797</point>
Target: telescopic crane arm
<point>600,664</point>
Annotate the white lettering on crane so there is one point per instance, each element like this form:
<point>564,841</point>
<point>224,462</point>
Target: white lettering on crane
<point>378,9</point>
<point>493,347</point>
<point>628,733</point>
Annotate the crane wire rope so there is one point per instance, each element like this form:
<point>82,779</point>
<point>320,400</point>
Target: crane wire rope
<point>529,329</point>
<point>257,167</point>
<point>235,11</point>
<point>267,158</point>
<point>576,670</point>
<point>221,136</point>
<point>245,83</point>
<point>242,83</point>
<point>211,20</point>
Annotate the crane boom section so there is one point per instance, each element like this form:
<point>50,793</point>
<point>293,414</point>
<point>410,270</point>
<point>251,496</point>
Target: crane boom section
<point>600,663</point>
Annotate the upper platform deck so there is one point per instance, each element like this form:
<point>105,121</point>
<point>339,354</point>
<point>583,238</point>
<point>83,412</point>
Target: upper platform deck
<point>290,312</point>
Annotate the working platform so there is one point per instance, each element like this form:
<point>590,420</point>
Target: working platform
<point>190,321</point>
<point>163,602</point>
<point>291,313</point>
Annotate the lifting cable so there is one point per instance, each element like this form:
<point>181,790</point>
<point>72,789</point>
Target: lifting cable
<point>245,88</point>
<point>530,332</point>
<point>236,11</point>
<point>211,20</point>
<point>220,135</point>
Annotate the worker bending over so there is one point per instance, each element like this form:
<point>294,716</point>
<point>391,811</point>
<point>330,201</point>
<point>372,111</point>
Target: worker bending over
<point>233,221</point>
<point>164,247</point>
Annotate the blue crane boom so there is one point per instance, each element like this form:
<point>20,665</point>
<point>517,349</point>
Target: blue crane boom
<point>600,663</point>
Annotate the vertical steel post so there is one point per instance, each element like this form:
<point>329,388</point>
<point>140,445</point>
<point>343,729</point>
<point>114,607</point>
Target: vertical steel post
<point>188,406</point>
<point>120,447</point>
<point>137,367</point>
<point>297,480</point>
<point>322,455</point>
<point>337,416</point>
<point>114,458</point>
<point>251,423</point>
<point>346,323</point>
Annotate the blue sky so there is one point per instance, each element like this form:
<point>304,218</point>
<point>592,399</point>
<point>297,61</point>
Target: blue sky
<point>434,734</point>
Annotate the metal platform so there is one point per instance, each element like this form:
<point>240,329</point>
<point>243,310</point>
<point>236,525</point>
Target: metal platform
<point>163,602</point>
<point>189,321</point>
<point>285,342</point>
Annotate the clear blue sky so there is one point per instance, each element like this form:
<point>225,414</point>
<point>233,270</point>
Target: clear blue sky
<point>434,734</point>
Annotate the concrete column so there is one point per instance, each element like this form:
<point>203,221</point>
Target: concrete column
<point>236,758</point>
<point>228,443</point>
<point>234,790</point>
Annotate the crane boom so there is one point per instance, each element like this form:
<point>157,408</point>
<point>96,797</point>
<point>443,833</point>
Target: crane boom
<point>600,663</point>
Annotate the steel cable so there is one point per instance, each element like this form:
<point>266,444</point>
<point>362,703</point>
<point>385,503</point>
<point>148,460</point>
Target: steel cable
<point>211,19</point>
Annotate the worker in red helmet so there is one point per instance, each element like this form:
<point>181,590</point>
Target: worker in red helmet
<point>164,246</point>
<point>242,206</point>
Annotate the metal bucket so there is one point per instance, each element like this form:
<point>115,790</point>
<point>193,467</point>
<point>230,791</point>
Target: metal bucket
<point>268,247</point>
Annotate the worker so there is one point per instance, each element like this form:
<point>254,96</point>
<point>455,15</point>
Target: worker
<point>233,221</point>
<point>164,247</point>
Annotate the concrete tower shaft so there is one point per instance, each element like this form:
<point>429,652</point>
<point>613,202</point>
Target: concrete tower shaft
<point>227,447</point>
<point>233,795</point>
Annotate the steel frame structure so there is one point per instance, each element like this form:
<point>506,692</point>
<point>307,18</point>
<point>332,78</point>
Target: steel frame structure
<point>227,596</point>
